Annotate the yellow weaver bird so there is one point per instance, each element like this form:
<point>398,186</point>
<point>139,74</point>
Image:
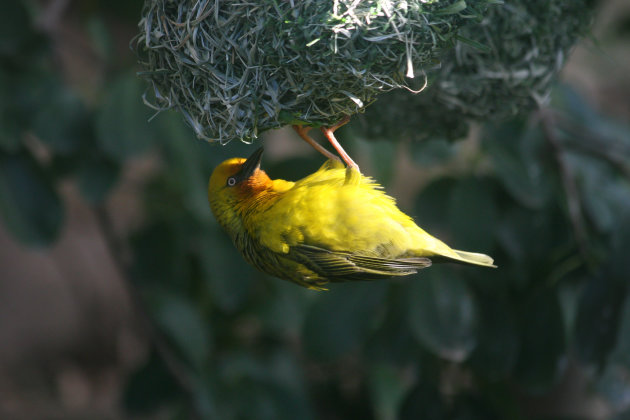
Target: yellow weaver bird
<point>334,225</point>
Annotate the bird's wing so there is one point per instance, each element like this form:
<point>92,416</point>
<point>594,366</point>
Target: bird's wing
<point>338,265</point>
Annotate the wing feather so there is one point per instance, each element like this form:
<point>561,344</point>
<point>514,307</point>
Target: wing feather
<point>339,265</point>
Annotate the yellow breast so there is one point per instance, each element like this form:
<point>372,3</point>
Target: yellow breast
<point>335,210</point>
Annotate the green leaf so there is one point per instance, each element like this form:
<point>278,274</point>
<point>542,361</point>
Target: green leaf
<point>431,152</point>
<point>516,152</point>
<point>604,194</point>
<point>122,126</point>
<point>340,319</point>
<point>65,166</point>
<point>387,388</point>
<point>569,294</point>
<point>184,326</point>
<point>123,10</point>
<point>383,154</point>
<point>423,402</point>
<point>10,127</point>
<point>430,208</point>
<point>474,406</point>
<point>443,314</point>
<point>151,387</point>
<point>228,276</point>
<point>619,262</point>
<point>283,312</point>
<point>10,140</point>
<point>598,318</point>
<point>614,383</point>
<point>189,164</point>
<point>393,341</point>
<point>269,387</point>
<point>28,91</point>
<point>96,177</point>
<point>498,343</point>
<point>472,214</point>
<point>533,238</point>
<point>31,209</point>
<point>566,97</point>
<point>286,404</point>
<point>159,256</point>
<point>15,27</point>
<point>62,122</point>
<point>101,38</point>
<point>489,400</point>
<point>542,356</point>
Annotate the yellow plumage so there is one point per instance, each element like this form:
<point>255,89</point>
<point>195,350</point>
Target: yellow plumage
<point>333,225</point>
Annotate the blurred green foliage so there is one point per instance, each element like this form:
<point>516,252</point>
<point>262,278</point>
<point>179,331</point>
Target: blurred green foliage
<point>546,194</point>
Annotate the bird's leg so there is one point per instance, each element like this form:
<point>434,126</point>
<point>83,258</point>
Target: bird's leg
<point>329,133</point>
<point>303,132</point>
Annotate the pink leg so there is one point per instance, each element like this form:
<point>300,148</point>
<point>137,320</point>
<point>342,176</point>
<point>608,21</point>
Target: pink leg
<point>328,132</point>
<point>303,132</point>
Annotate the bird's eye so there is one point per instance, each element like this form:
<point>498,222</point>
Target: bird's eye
<point>231,181</point>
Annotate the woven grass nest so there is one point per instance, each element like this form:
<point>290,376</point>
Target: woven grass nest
<point>506,66</point>
<point>236,68</point>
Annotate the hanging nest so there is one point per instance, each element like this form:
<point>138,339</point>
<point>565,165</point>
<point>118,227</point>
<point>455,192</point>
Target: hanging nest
<point>235,69</point>
<point>506,66</point>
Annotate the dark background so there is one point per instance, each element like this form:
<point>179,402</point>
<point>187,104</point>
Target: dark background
<point>121,298</point>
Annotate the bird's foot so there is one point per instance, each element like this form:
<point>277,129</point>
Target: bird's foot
<point>329,133</point>
<point>303,132</point>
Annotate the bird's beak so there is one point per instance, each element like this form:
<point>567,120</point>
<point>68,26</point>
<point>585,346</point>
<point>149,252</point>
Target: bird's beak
<point>251,164</point>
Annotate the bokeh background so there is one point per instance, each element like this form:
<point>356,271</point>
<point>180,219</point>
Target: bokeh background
<point>121,298</point>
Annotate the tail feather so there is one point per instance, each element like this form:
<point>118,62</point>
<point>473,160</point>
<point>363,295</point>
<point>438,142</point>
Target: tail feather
<point>474,258</point>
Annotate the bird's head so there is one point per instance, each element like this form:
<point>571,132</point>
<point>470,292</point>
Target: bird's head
<point>236,183</point>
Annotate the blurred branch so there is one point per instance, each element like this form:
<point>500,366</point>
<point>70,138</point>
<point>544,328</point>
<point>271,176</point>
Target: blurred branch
<point>548,122</point>
<point>173,365</point>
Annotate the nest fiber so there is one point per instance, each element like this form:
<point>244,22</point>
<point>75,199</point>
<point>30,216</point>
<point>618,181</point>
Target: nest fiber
<point>505,67</point>
<point>237,68</point>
